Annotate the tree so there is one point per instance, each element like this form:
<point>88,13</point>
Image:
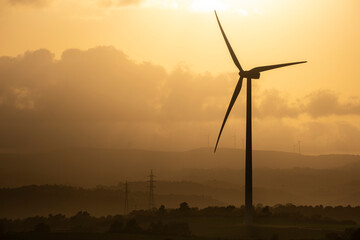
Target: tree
<point>42,228</point>
<point>177,228</point>
<point>184,207</point>
<point>132,227</point>
<point>162,210</point>
<point>116,227</point>
<point>266,211</point>
<point>156,228</point>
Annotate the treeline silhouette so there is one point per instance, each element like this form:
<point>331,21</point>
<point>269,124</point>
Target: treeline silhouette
<point>84,222</point>
<point>166,221</point>
<point>288,214</point>
<point>318,212</point>
<point>42,200</point>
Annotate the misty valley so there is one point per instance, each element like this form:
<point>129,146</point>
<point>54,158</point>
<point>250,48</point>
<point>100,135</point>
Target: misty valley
<point>80,194</point>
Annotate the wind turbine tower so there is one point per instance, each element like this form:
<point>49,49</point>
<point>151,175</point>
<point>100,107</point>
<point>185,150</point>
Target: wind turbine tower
<point>249,75</point>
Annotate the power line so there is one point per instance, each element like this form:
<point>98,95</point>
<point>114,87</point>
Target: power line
<point>151,190</point>
<point>126,204</point>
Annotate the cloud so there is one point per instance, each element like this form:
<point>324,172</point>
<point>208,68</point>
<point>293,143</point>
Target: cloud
<point>35,3</point>
<point>101,98</point>
<point>114,3</point>
<point>273,104</point>
<point>325,103</point>
<point>320,103</point>
<point>98,92</point>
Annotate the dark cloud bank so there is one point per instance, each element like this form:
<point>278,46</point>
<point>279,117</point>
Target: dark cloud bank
<point>101,98</point>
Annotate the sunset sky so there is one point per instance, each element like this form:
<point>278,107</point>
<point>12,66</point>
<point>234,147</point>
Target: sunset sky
<point>156,74</point>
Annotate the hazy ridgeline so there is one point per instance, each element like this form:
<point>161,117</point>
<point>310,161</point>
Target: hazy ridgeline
<point>90,167</point>
<point>197,177</point>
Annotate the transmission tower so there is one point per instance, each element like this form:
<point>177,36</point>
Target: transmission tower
<point>126,205</point>
<point>151,190</point>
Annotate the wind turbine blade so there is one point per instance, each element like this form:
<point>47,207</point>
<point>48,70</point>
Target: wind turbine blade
<point>229,46</point>
<point>233,99</point>
<point>270,67</point>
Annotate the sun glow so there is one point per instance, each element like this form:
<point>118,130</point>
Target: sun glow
<point>207,5</point>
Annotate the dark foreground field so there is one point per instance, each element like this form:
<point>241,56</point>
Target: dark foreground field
<point>222,233</point>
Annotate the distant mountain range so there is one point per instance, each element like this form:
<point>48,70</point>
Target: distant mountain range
<point>279,177</point>
<point>91,167</point>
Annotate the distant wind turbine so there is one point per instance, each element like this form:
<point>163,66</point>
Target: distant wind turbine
<point>251,74</point>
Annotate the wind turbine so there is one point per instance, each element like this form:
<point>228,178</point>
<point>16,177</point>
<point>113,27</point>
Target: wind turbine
<point>249,75</point>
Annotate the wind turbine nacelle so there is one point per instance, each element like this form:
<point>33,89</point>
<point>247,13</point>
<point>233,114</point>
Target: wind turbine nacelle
<point>250,74</point>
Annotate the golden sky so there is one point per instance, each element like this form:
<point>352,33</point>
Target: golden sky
<point>175,49</point>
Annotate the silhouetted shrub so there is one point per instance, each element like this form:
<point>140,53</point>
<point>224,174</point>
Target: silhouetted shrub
<point>162,210</point>
<point>177,228</point>
<point>230,208</point>
<point>156,228</point>
<point>83,222</point>
<point>132,227</point>
<point>42,228</point>
<point>56,220</point>
<point>116,227</point>
<point>184,207</point>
